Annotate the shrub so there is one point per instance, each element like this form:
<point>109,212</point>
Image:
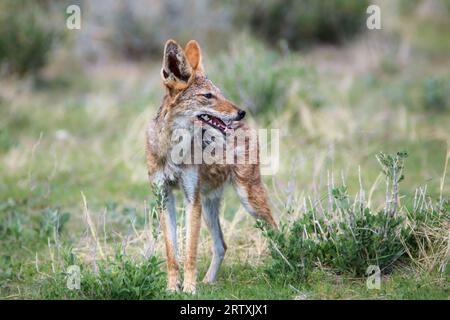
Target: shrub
<point>303,22</point>
<point>349,236</point>
<point>348,244</point>
<point>102,274</point>
<point>26,37</point>
<point>118,277</point>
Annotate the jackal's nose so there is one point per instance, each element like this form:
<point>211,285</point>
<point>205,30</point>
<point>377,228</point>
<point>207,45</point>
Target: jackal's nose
<point>241,115</point>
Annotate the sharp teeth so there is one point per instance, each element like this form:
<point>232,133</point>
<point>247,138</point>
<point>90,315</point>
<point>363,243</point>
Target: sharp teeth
<point>218,124</point>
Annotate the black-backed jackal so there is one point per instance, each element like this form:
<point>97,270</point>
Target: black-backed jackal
<point>191,100</point>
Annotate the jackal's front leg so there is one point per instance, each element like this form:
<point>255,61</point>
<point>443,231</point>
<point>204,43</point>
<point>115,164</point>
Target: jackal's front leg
<point>192,237</point>
<point>193,223</point>
<point>169,228</point>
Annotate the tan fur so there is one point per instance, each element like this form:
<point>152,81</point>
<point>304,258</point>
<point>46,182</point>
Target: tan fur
<point>172,264</point>
<point>186,84</point>
<point>194,55</point>
<point>192,244</point>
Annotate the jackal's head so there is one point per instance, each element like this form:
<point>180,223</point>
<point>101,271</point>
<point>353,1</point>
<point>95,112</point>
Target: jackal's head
<point>192,97</point>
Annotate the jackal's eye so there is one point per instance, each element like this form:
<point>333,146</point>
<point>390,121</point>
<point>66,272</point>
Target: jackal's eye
<point>208,95</point>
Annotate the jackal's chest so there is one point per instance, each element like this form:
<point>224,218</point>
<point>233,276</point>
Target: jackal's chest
<point>168,164</point>
<point>214,175</point>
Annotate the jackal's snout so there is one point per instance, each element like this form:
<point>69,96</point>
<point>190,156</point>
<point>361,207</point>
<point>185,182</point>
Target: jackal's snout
<point>240,115</point>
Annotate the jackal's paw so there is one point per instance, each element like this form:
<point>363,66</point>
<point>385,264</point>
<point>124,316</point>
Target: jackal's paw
<point>208,279</point>
<point>172,289</point>
<point>173,286</point>
<point>189,287</point>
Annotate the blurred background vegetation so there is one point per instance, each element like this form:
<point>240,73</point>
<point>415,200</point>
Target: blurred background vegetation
<point>74,105</point>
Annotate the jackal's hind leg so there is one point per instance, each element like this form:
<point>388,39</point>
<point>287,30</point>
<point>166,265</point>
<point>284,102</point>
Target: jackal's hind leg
<point>210,207</point>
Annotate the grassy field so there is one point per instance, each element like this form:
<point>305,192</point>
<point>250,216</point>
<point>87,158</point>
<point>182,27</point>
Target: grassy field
<point>74,189</point>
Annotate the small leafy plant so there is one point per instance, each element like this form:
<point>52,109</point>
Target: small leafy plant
<point>117,277</point>
<point>104,271</point>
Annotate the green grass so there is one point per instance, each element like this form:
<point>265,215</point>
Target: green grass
<point>243,281</point>
<point>247,282</point>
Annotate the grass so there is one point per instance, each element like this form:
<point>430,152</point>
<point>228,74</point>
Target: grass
<point>247,282</point>
<point>76,151</point>
<point>118,253</point>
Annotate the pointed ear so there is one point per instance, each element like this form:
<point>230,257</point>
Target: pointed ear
<point>176,70</point>
<point>194,55</point>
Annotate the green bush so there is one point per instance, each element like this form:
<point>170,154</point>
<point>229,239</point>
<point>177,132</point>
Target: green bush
<point>303,22</point>
<point>361,238</point>
<point>348,237</point>
<point>118,277</point>
<point>26,37</point>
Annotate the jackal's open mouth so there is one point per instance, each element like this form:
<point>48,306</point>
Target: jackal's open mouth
<point>215,123</point>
